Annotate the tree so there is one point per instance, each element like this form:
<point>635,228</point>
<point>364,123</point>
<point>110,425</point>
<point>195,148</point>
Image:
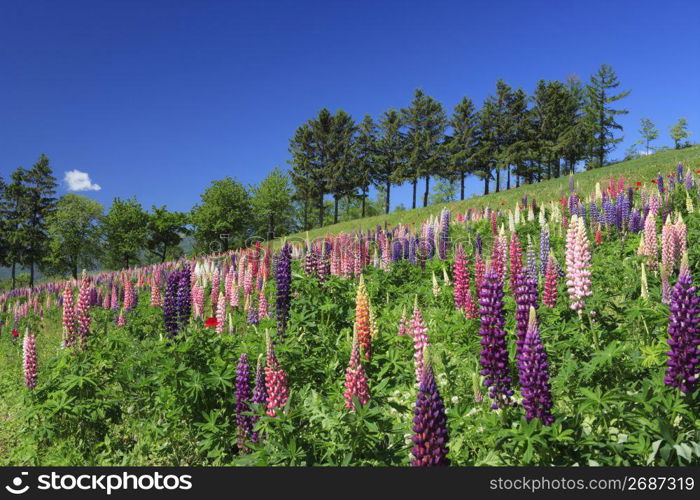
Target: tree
<point>321,137</point>
<point>272,204</point>
<point>164,232</point>
<point>679,132</point>
<point>341,159</point>
<point>496,129</point>
<point>125,233</point>
<point>302,162</point>
<point>425,123</point>
<point>600,116</point>
<point>12,213</point>
<point>74,235</point>
<point>223,220</point>
<point>40,189</point>
<point>390,154</point>
<point>4,243</point>
<point>516,132</point>
<point>572,142</point>
<point>463,144</point>
<point>444,192</point>
<point>365,154</point>
<point>648,132</point>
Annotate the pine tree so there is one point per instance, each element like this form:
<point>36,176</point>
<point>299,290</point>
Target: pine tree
<point>463,144</point>
<point>516,133</point>
<point>495,129</point>
<point>600,116</point>
<point>679,132</point>
<point>365,154</point>
<point>303,168</point>
<point>572,141</point>
<point>648,132</point>
<point>390,148</point>
<point>425,122</point>
<point>341,159</point>
<point>12,212</point>
<point>41,203</point>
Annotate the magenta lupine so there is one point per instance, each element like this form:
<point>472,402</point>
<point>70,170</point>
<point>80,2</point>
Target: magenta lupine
<point>244,420</point>
<point>262,305</point>
<point>356,387</point>
<point>419,332</point>
<point>578,262</point>
<point>516,260</point>
<point>494,355</point>
<point>129,294</point>
<point>479,272</point>
<point>430,433</point>
<point>83,311</point>
<point>275,383</point>
<point>684,334</point>
<point>533,369</point>
<point>115,298</point>
<point>69,319</point>
<point>526,299</point>
<point>461,278</point>
<point>30,361</point>
<point>550,283</point>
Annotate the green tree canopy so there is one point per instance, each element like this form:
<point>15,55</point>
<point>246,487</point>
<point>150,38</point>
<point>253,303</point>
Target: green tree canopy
<point>165,230</point>
<point>125,232</point>
<point>272,204</point>
<point>679,132</point>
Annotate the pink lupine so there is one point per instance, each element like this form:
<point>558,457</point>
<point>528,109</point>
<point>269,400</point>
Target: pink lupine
<point>83,310</point>
<point>155,294</point>
<point>262,305</point>
<point>198,300</point>
<point>275,383</point>
<point>121,320</point>
<point>235,296</point>
<point>129,295</point>
<point>479,272</point>
<point>69,320</point>
<point>403,324</point>
<point>669,249</point>
<point>650,242</point>
<point>578,262</point>
<point>461,278</point>
<point>214,290</point>
<point>30,360</point>
<point>419,332</point>
<point>681,232</point>
<point>498,257</point>
<point>115,297</point>
<point>356,387</point>
<point>221,314</point>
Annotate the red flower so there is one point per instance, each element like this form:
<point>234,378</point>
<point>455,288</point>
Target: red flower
<point>697,171</point>
<point>669,175</point>
<point>639,183</point>
<point>501,204</point>
<point>637,188</point>
<point>15,333</point>
<point>654,181</point>
<point>211,322</point>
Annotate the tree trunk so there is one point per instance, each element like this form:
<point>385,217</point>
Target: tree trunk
<point>14,281</point>
<point>427,190</point>
<point>486,184</point>
<point>335,209</point>
<point>364,199</point>
<point>271,227</point>
<point>74,271</point>
<point>31,274</point>
<point>517,181</point>
<point>461,187</point>
<point>508,181</point>
<point>320,210</point>
<point>415,185</point>
<point>388,197</point>
<point>306,214</point>
<point>498,179</point>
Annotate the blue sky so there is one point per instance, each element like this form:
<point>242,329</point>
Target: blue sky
<point>158,98</point>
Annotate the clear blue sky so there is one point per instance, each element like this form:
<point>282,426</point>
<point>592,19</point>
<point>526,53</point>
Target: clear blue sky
<point>158,98</point>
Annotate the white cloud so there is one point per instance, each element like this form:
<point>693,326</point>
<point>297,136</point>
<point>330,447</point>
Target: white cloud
<point>79,181</point>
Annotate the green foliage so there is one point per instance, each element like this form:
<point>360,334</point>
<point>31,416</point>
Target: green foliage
<point>272,205</point>
<point>125,232</point>
<point>164,233</point>
<point>223,219</point>
<point>679,132</point>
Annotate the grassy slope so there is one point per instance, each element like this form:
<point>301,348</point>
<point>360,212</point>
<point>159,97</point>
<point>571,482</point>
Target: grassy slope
<point>643,169</point>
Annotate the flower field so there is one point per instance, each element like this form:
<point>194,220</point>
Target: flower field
<point>530,333</point>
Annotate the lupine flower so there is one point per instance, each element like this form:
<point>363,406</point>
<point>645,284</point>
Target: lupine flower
<point>403,323</point>
<point>69,319</point>
<point>83,311</point>
<point>362,322</point>
<point>419,332</point>
<point>253,318</point>
<point>121,320</point>
<point>525,298</point>
<point>244,421</point>
<point>170,318</point>
<point>644,284</point>
<point>578,262</point>
<point>184,297</point>
<point>198,300</point>
<point>262,304</point>
<point>516,262</point>
<point>30,360</point>
<point>494,355</point>
<point>461,278</point>
<point>430,433</point>
<point>684,334</point>
<point>550,283</point>
<point>532,268</point>
<point>155,294</point>
<point>533,369</point>
<point>356,387</point>
<point>544,249</point>
<point>669,250</point>
<point>436,286</point>
<point>221,314</point>
<point>275,382</point>
<point>283,278</point>
<point>650,242</point>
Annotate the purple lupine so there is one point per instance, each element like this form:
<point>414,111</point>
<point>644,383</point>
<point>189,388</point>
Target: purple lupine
<point>544,249</point>
<point>259,395</point>
<point>170,311</point>
<point>531,259</point>
<point>533,368</point>
<point>253,316</point>
<point>593,209</point>
<point>430,434</point>
<point>494,355</point>
<point>660,183</point>
<point>679,172</point>
<point>684,334</point>
<point>283,279</point>
<point>444,234</point>
<point>525,298</point>
<point>184,297</point>
<point>478,245</point>
<point>244,420</point>
<point>635,222</point>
